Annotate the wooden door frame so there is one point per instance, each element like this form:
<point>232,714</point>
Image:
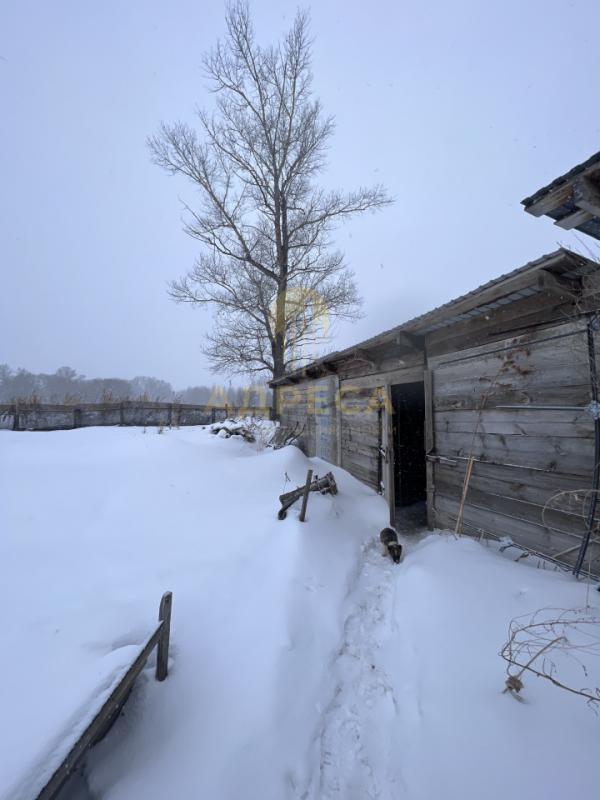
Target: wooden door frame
<point>429,447</point>
<point>390,489</point>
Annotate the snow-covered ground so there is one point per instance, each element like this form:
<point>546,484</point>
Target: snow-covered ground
<point>304,665</point>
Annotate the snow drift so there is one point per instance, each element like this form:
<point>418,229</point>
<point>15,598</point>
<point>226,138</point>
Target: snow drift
<point>304,665</point>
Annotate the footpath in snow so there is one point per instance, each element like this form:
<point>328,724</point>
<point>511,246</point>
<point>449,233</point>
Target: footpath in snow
<point>304,665</point>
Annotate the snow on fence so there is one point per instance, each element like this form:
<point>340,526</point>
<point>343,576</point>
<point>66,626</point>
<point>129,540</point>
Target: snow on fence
<point>49,417</point>
<point>109,711</point>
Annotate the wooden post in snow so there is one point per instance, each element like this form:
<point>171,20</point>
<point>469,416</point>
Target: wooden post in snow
<point>305,495</point>
<point>162,650</point>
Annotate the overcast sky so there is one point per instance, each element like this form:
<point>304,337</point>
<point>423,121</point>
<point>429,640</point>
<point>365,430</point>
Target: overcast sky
<point>461,108</point>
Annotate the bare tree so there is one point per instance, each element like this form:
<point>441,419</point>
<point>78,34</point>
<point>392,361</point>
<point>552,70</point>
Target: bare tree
<point>267,263</point>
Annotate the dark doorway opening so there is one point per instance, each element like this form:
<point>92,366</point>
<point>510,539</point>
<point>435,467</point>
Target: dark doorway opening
<point>410,474</point>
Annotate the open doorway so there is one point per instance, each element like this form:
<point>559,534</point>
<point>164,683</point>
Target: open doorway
<point>410,474</point>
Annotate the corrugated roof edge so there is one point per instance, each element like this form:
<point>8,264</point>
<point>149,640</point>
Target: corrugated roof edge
<point>548,259</point>
<point>595,159</point>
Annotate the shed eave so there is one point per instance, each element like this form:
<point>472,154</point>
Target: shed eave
<point>571,200</point>
<point>521,282</point>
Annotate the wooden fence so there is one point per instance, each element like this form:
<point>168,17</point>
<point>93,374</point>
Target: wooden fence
<point>110,710</point>
<point>50,417</point>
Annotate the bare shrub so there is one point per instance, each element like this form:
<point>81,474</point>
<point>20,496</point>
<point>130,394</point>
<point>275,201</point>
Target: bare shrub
<point>548,644</point>
<point>581,502</point>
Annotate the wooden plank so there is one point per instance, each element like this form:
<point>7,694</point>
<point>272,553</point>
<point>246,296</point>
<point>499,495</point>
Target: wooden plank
<point>162,652</point>
<point>359,424</point>
<point>530,485</point>
<point>361,431</point>
<point>519,530</point>
<point>547,333</point>
<point>539,384</point>
<point>568,522</point>
<point>446,521</point>
<point>591,284</point>
<point>365,406</point>
<point>520,317</point>
<point>528,536</point>
<point>518,422</point>
<point>587,195</point>
<point>360,444</point>
<point>429,446</point>
<point>563,360</point>
<point>362,473</point>
<point>410,374</point>
<point>367,461</point>
<point>98,726</point>
<point>357,448</point>
<point>574,219</point>
<point>521,281</point>
<point>563,454</point>
<point>528,313</point>
<point>353,392</point>
<point>309,475</point>
<point>579,395</point>
<point>116,698</point>
<point>550,371</point>
<point>551,200</point>
<point>409,341</point>
<point>565,288</point>
<point>338,423</point>
<point>390,487</point>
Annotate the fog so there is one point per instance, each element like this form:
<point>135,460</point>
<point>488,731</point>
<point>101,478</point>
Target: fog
<point>461,109</point>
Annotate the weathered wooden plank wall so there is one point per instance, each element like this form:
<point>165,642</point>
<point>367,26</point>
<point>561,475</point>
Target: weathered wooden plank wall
<point>312,406</point>
<point>509,388</point>
<point>364,405</point>
<point>518,408</point>
<point>346,422</point>
<point>360,432</point>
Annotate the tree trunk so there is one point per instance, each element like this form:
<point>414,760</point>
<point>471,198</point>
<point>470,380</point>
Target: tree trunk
<point>279,348</point>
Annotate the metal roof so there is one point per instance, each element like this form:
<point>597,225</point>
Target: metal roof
<point>563,261</point>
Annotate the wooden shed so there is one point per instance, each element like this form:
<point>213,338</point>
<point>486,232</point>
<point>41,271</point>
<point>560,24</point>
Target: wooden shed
<point>501,383</point>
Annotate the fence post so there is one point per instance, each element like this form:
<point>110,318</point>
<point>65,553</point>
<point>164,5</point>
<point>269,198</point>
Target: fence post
<point>162,651</point>
<point>305,495</point>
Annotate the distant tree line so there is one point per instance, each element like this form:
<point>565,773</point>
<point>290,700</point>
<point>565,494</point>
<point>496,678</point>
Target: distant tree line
<point>67,386</point>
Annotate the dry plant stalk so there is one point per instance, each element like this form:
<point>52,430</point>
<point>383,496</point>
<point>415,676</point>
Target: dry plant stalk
<point>570,634</point>
<point>463,498</point>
